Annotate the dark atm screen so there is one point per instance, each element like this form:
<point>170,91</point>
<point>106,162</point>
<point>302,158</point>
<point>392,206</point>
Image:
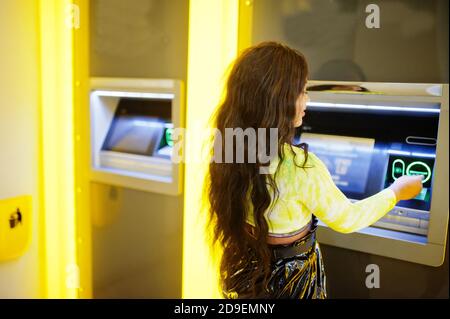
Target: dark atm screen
<point>139,126</point>
<point>408,165</point>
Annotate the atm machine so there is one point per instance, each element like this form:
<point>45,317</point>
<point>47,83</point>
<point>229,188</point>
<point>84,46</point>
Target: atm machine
<point>136,187</point>
<point>370,134</point>
<point>132,121</point>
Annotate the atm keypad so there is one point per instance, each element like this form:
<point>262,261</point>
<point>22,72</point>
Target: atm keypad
<point>406,220</point>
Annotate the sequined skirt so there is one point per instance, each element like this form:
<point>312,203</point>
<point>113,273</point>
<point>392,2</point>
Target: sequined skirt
<point>297,272</point>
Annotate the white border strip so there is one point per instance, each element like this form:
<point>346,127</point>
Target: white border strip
<point>372,107</point>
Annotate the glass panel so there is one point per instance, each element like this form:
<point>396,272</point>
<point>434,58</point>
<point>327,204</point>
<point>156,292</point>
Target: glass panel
<point>411,44</point>
<point>139,38</point>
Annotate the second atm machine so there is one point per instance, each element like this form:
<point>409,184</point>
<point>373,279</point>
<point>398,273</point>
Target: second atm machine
<point>136,190</point>
<point>132,121</point>
<point>368,135</point>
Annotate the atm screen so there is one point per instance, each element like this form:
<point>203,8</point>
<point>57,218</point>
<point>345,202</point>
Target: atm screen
<point>347,158</point>
<point>139,126</point>
<point>407,165</point>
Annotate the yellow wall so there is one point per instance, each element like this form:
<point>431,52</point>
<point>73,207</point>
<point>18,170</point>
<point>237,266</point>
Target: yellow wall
<point>19,136</point>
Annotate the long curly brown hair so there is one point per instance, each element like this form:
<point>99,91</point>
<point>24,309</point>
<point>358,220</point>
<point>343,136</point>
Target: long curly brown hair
<point>262,88</point>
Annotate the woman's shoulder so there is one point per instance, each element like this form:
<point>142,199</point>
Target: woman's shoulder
<point>302,156</point>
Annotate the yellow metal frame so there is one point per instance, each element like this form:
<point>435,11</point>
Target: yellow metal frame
<point>213,41</point>
<point>245,24</point>
<point>81,82</point>
<point>64,74</point>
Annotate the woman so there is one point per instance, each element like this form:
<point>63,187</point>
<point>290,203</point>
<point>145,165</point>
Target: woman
<point>265,223</point>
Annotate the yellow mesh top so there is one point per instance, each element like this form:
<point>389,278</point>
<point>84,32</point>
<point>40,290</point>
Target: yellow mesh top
<point>311,190</point>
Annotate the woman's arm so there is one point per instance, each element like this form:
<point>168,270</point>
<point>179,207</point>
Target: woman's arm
<point>322,197</point>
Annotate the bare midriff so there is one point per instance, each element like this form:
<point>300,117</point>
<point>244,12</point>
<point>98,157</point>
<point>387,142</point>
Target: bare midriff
<point>284,240</point>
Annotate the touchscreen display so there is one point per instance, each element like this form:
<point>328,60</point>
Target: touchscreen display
<point>139,127</point>
<point>347,158</point>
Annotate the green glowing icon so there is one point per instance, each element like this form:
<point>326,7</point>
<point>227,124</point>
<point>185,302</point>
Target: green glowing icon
<point>398,169</point>
<point>414,168</point>
<point>168,136</point>
<point>419,168</point>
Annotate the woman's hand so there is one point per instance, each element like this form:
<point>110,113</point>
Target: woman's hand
<point>407,187</point>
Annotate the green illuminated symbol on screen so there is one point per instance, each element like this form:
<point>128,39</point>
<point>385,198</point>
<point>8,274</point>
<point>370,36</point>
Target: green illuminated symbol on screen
<point>168,137</point>
<point>398,168</point>
<point>419,168</point>
<point>415,168</point>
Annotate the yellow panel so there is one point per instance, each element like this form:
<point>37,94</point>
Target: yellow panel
<point>82,148</point>
<point>245,24</point>
<point>56,45</point>
<point>15,227</point>
<point>212,47</point>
